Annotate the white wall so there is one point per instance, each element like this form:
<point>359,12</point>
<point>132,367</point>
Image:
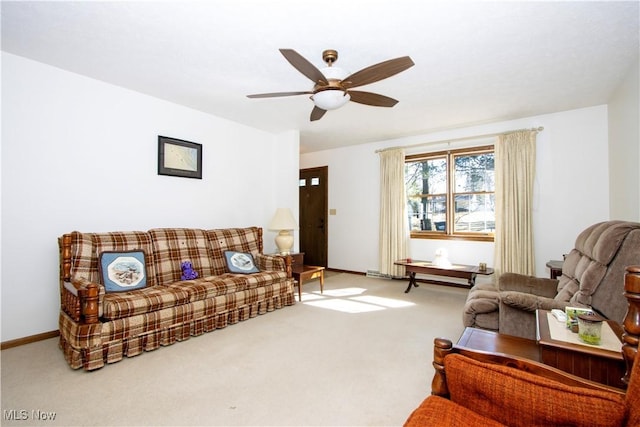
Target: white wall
<point>79,154</point>
<point>571,190</point>
<point>624,147</point>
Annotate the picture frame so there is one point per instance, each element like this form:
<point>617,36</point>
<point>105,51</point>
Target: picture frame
<point>177,157</point>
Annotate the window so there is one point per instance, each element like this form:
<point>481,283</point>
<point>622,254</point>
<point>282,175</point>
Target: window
<point>451,194</point>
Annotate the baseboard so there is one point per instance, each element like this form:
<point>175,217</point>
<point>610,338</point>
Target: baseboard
<point>335,270</point>
<point>28,340</point>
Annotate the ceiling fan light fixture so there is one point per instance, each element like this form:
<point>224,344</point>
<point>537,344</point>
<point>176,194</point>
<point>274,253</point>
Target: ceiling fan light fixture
<point>330,99</point>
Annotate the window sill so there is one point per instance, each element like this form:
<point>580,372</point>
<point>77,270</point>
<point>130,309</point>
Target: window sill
<point>462,237</point>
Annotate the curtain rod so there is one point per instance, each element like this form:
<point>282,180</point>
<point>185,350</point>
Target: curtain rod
<point>538,129</point>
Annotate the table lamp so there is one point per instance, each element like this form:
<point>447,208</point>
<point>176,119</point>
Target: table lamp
<point>283,222</point>
<point>442,258</point>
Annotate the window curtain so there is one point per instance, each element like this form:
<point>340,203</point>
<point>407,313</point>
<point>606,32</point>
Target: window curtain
<point>393,218</point>
<point>515,157</point>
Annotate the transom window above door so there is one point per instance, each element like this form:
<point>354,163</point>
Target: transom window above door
<point>313,181</point>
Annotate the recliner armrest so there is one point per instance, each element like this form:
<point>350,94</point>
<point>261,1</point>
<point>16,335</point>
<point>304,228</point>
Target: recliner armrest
<point>528,284</point>
<point>529,302</point>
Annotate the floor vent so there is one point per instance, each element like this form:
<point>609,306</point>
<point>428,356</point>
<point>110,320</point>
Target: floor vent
<point>375,273</point>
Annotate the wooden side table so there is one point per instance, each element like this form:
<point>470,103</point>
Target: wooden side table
<point>587,361</point>
<point>307,272</point>
<point>493,342</point>
<point>555,268</point>
<point>297,258</point>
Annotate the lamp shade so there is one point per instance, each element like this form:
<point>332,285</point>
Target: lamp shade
<point>283,220</point>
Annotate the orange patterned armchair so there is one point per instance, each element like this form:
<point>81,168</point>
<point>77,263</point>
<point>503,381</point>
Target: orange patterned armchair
<point>486,389</point>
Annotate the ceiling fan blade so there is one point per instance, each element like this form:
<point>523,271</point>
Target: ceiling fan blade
<point>369,98</point>
<point>304,66</point>
<point>377,72</point>
<point>317,113</point>
<point>277,94</point>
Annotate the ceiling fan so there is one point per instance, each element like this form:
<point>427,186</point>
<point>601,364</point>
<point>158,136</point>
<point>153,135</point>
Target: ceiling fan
<point>332,85</point>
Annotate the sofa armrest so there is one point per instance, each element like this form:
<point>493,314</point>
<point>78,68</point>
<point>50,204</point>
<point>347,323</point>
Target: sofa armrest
<point>528,284</point>
<point>274,263</point>
<point>81,300</point>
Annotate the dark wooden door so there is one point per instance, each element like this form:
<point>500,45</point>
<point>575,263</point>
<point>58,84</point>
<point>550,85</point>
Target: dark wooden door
<point>313,215</point>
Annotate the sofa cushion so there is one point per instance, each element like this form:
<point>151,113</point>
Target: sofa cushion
<point>567,287</point>
<point>172,246</point>
<point>86,248</point>
<point>519,398</point>
<point>438,411</point>
<point>601,241</point>
<point>587,264</point>
<point>240,262</point>
<point>247,240</point>
<point>580,278</point>
<point>142,325</point>
<point>263,278</point>
<point>118,305</point>
<point>227,283</point>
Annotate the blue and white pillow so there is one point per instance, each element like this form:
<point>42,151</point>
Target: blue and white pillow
<point>240,262</point>
<point>123,271</point>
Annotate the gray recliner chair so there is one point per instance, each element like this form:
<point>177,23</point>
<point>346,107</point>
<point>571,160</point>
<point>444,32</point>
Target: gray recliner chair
<point>592,276</point>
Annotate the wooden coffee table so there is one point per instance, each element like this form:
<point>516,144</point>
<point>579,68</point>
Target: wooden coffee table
<point>307,272</point>
<point>461,271</point>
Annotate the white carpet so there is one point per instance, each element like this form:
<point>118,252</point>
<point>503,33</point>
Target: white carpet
<point>358,355</point>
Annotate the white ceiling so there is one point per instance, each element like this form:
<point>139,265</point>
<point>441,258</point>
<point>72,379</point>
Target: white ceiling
<point>476,61</point>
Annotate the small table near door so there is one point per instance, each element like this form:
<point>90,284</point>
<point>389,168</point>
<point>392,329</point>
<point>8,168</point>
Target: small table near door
<point>307,272</point>
<point>301,272</point>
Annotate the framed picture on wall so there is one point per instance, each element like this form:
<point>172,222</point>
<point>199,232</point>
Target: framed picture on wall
<point>179,158</point>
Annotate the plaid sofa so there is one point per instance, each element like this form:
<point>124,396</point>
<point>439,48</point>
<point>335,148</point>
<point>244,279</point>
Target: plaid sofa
<point>98,327</point>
